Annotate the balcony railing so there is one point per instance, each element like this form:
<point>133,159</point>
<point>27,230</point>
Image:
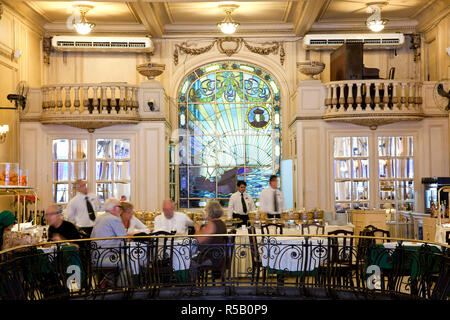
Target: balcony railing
<point>90,106</point>
<point>373,102</point>
<point>344,267</point>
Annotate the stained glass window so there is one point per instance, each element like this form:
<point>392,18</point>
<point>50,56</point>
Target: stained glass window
<point>229,129</point>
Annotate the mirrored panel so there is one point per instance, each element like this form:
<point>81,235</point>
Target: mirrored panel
<point>104,191</point>
<point>405,168</point>
<point>386,168</point>
<point>404,146</point>
<point>79,149</point>
<point>386,146</point>
<point>342,190</point>
<point>342,169</point>
<point>61,193</point>
<point>61,171</point>
<point>61,149</point>
<point>342,146</point>
<point>361,190</point>
<point>103,171</point>
<point>360,168</point>
<point>78,170</point>
<point>360,147</point>
<point>122,170</point>
<point>121,148</point>
<point>122,189</point>
<point>104,149</point>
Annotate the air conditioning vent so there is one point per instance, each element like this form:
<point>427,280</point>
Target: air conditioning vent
<point>104,44</point>
<point>370,41</point>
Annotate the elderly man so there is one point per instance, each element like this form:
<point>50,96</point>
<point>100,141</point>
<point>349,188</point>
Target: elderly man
<point>59,229</point>
<point>108,225</point>
<point>81,209</point>
<point>171,220</point>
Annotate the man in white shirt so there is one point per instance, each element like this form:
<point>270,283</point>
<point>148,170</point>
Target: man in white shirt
<point>81,210</point>
<point>272,200</point>
<point>241,203</point>
<point>172,221</point>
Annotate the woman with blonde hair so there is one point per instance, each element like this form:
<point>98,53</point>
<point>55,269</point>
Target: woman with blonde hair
<point>130,222</point>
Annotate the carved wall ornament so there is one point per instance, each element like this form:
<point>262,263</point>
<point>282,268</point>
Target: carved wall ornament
<point>415,45</point>
<point>47,48</point>
<point>230,46</point>
<point>223,45</point>
<point>1,10</point>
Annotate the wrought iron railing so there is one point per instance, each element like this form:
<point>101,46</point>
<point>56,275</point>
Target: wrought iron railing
<point>158,267</point>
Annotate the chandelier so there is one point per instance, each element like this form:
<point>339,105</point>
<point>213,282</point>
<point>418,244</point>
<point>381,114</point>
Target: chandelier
<point>81,25</point>
<point>228,25</point>
<point>374,22</point>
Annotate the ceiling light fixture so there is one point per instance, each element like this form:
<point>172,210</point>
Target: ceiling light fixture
<point>81,25</point>
<point>228,25</point>
<point>374,22</point>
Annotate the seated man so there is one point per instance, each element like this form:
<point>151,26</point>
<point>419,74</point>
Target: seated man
<point>171,220</point>
<point>59,228</point>
<point>108,253</point>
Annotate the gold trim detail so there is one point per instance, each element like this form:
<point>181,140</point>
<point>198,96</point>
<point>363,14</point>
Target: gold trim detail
<point>276,47</point>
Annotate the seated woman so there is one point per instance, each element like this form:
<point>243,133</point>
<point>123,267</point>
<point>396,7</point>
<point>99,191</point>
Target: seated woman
<point>8,238</point>
<point>132,224</point>
<point>211,249</point>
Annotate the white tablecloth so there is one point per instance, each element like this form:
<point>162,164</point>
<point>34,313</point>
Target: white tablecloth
<point>242,262</point>
<point>183,249</point>
<point>441,231</point>
<point>290,254</point>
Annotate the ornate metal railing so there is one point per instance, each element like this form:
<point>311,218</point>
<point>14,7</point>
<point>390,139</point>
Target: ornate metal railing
<point>342,267</point>
<point>90,106</point>
<point>373,102</point>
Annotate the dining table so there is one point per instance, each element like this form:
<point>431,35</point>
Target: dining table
<point>284,251</point>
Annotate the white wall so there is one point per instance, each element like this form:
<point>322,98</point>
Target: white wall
<point>148,155</point>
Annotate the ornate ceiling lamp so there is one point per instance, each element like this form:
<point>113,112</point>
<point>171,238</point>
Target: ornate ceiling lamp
<point>228,25</point>
<point>374,22</point>
<point>81,25</point>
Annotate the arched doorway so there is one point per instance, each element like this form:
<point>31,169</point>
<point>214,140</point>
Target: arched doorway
<point>229,129</point>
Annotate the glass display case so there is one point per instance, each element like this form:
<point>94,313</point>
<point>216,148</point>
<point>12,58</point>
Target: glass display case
<point>431,187</point>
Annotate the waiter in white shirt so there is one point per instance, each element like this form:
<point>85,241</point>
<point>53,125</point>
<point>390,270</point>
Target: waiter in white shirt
<point>272,199</point>
<point>81,210</point>
<point>171,221</point>
<point>241,203</point>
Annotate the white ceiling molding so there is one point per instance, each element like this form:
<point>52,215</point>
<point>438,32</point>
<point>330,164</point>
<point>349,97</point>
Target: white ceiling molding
<point>306,13</point>
<point>404,26</point>
<point>26,14</point>
<point>431,15</point>
<point>61,28</point>
<point>148,17</point>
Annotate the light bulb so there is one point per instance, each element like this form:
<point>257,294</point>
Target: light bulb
<point>228,27</point>
<point>83,27</point>
<point>376,25</point>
